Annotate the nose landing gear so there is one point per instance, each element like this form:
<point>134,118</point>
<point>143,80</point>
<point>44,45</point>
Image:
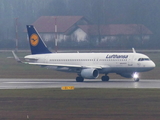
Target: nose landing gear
<point>136,77</point>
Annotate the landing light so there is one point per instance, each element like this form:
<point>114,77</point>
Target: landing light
<point>135,75</point>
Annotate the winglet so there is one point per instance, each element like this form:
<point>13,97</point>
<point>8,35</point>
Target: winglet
<point>16,57</point>
<point>133,50</point>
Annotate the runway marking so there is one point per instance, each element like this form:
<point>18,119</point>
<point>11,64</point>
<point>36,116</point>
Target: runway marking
<point>67,88</point>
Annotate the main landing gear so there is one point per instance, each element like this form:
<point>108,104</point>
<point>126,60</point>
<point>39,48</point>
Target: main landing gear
<point>105,78</point>
<point>79,79</point>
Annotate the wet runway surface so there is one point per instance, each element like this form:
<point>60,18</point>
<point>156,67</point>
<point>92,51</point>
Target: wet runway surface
<point>58,83</point>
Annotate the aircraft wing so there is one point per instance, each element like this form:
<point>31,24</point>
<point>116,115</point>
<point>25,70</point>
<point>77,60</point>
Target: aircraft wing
<point>59,65</point>
<point>67,65</point>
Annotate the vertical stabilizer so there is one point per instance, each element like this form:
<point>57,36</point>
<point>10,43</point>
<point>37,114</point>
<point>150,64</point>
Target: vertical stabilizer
<point>36,43</point>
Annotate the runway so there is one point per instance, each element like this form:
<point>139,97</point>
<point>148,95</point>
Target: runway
<point>58,83</point>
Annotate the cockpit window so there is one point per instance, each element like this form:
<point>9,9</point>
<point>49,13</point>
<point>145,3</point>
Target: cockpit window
<point>143,59</point>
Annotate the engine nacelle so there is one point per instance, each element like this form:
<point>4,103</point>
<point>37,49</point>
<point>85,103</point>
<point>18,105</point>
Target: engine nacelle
<point>89,73</point>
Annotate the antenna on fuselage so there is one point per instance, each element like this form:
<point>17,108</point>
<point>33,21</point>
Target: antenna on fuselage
<point>133,50</point>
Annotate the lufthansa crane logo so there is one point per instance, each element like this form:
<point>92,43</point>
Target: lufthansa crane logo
<point>34,39</point>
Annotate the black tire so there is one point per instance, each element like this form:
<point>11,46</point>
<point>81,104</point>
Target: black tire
<point>105,78</point>
<point>79,79</point>
<point>136,80</point>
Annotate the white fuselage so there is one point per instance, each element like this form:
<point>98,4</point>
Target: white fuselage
<point>104,62</point>
<point>86,65</point>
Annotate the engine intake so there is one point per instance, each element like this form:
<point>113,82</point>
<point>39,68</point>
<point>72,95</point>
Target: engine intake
<point>89,73</point>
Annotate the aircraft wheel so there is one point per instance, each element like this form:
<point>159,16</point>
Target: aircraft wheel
<point>79,79</point>
<point>136,80</point>
<point>105,78</point>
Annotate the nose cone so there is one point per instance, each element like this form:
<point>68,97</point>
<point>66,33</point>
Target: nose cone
<point>151,65</point>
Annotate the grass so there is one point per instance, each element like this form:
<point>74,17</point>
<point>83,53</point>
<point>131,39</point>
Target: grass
<point>80,104</point>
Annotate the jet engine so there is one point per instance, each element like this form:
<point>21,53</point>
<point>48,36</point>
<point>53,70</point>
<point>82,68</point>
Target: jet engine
<point>89,73</point>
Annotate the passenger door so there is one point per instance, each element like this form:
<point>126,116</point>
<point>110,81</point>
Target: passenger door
<point>130,61</point>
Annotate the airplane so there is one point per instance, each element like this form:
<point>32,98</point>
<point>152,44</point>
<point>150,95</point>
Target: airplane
<point>86,65</point>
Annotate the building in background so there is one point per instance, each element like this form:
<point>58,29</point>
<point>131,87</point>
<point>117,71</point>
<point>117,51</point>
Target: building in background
<point>120,34</point>
<point>66,25</point>
<point>78,29</point>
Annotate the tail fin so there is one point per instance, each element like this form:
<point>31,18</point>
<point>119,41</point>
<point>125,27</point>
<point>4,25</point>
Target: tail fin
<point>36,43</point>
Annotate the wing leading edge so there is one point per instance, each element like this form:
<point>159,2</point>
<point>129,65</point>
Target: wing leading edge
<point>68,65</point>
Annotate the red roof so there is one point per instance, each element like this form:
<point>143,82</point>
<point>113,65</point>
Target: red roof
<point>115,29</point>
<point>47,23</point>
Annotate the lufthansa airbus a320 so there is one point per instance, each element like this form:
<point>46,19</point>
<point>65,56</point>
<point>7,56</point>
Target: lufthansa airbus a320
<point>86,65</point>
